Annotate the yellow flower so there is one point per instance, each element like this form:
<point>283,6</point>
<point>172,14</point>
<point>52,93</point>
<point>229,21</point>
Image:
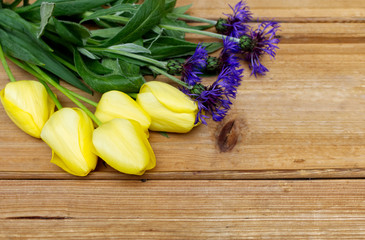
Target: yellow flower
<point>122,144</point>
<point>28,105</point>
<point>169,108</point>
<point>69,133</point>
<point>116,104</point>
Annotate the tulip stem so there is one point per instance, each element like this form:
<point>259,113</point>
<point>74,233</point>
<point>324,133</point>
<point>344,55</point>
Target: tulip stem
<point>51,94</point>
<point>178,81</point>
<point>5,65</point>
<point>66,93</point>
<point>40,78</point>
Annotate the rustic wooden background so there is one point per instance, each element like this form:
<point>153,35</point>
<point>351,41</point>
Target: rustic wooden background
<point>286,163</point>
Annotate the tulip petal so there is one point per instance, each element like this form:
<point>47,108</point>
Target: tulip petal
<point>68,132</point>
<point>122,144</point>
<point>59,162</point>
<point>170,96</point>
<point>28,105</point>
<point>163,119</point>
<point>116,104</point>
<point>22,119</point>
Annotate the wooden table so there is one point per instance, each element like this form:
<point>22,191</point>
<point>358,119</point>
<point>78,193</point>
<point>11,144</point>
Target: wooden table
<point>295,172</point>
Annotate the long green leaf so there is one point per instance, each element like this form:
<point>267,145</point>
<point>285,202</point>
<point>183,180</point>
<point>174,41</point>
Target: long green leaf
<point>147,16</point>
<point>62,8</point>
<point>46,13</point>
<point>71,32</point>
<point>18,45</point>
<point>115,9</point>
<point>170,47</point>
<point>129,82</point>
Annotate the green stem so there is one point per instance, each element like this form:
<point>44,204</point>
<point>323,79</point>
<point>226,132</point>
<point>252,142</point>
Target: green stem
<point>25,3</point>
<point>178,81</point>
<point>131,55</point>
<point>66,93</point>
<point>196,19</point>
<point>65,63</point>
<point>190,30</point>
<point>5,65</point>
<point>51,94</point>
<point>39,77</point>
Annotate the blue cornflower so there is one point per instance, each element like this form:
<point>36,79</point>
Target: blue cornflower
<point>235,24</point>
<point>259,42</point>
<point>227,58</point>
<point>194,65</point>
<point>214,100</point>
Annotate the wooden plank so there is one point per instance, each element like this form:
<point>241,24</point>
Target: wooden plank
<point>314,33</point>
<point>288,11</point>
<point>305,115</point>
<point>320,209</point>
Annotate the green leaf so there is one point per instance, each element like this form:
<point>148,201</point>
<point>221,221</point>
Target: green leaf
<point>169,6</point>
<point>115,9</point>
<point>130,47</point>
<point>12,46</point>
<point>46,13</point>
<point>62,8</point>
<point>105,33</point>
<point>10,21</point>
<point>130,81</point>
<point>18,45</point>
<point>182,9</point>
<point>71,32</point>
<point>147,16</point>
<point>170,47</point>
<point>164,134</point>
<point>88,54</point>
<point>173,22</point>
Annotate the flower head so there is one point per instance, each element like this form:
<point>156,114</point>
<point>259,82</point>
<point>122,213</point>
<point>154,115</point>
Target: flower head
<point>194,65</point>
<point>123,144</point>
<point>235,24</point>
<point>28,105</point>
<point>215,100</point>
<point>259,42</point>
<point>170,110</point>
<point>68,132</point>
<point>227,58</point>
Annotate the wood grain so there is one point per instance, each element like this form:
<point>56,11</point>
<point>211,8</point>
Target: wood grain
<point>325,209</point>
<point>301,116</point>
<point>304,119</point>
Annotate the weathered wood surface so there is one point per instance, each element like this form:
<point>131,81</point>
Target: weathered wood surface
<point>82,209</point>
<point>306,114</point>
<point>304,119</point>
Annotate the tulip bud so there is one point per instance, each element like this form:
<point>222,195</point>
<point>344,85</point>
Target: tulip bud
<point>169,108</point>
<point>28,105</point>
<point>123,145</point>
<point>116,104</point>
<point>69,133</point>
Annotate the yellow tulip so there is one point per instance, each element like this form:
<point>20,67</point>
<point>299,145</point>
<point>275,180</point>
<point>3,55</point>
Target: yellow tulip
<point>69,133</point>
<point>28,105</point>
<point>116,104</point>
<point>169,108</point>
<point>123,145</point>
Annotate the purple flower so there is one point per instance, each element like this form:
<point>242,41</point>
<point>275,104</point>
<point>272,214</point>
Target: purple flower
<point>259,42</point>
<point>235,24</point>
<point>228,59</point>
<point>214,100</point>
<point>194,65</point>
